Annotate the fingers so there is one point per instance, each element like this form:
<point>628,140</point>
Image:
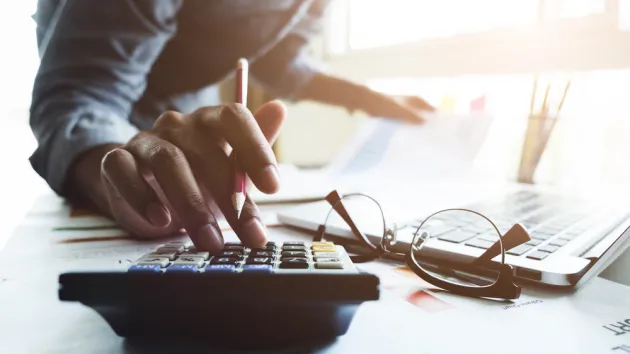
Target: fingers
<point>240,129</point>
<point>119,168</point>
<point>251,229</point>
<point>174,175</point>
<point>419,103</point>
<point>218,182</point>
<point>270,118</point>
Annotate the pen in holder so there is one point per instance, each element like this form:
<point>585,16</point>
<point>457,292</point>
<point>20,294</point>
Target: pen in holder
<point>539,130</point>
<point>540,126</point>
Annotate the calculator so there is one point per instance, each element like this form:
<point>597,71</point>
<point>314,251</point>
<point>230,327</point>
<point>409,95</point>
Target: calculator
<point>281,294</point>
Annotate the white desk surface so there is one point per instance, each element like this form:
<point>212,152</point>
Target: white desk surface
<point>32,320</point>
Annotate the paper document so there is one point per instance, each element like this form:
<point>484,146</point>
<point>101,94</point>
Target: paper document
<point>444,145</point>
<point>66,238</point>
<point>594,319</point>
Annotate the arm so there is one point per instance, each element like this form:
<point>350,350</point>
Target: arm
<point>92,71</point>
<point>288,71</point>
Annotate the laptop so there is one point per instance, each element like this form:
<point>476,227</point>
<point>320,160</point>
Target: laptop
<point>573,236</point>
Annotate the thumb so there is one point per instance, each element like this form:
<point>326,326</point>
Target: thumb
<point>270,118</point>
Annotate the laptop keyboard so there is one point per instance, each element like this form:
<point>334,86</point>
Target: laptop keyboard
<point>552,222</point>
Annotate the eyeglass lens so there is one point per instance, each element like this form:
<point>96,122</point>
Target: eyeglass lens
<point>449,246</point>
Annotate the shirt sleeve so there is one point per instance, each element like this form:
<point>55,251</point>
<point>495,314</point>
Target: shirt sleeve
<point>94,60</point>
<point>288,66</point>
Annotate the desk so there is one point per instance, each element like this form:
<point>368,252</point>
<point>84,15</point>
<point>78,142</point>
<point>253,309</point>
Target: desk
<point>33,321</point>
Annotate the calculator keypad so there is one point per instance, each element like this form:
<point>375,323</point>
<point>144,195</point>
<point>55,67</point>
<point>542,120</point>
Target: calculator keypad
<point>291,257</point>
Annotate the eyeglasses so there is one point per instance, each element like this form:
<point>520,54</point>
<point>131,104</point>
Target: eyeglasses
<point>457,250</point>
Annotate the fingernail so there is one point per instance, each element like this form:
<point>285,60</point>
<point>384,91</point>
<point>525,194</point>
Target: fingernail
<point>158,215</point>
<point>210,239</point>
<point>269,178</point>
<point>255,232</point>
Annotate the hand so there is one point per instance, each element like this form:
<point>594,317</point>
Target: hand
<point>406,108</point>
<point>179,175</point>
<point>341,92</point>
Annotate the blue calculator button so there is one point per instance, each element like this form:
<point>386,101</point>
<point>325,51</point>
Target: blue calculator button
<point>214,268</point>
<point>147,268</point>
<point>187,268</point>
<point>264,268</point>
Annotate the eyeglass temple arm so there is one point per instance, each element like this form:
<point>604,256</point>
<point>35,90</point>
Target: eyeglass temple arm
<point>515,236</point>
<point>334,199</point>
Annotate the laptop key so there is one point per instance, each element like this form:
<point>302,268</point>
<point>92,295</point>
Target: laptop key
<point>457,236</point>
<point>538,255</point>
<point>534,242</point>
<point>540,236</point>
<point>549,248</point>
<point>478,243</point>
<point>520,250</point>
<point>559,241</point>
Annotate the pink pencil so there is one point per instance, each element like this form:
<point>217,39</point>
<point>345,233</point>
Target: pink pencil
<point>238,196</point>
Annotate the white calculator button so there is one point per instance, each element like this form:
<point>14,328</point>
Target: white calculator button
<point>171,256</point>
<point>168,249</point>
<point>329,265</point>
<point>185,244</point>
<point>188,259</point>
<point>204,255</point>
<point>325,255</point>
<point>162,261</point>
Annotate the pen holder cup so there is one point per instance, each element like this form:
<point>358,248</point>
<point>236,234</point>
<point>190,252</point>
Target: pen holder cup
<point>537,133</point>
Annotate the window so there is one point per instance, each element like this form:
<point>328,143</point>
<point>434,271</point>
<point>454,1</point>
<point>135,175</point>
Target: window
<point>482,55</point>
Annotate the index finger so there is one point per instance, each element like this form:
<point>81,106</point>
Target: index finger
<point>236,124</point>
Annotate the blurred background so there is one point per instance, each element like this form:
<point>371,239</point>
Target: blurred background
<point>462,55</point>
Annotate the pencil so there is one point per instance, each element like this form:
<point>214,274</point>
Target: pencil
<point>238,195</point>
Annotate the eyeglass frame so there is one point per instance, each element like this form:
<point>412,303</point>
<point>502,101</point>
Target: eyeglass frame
<point>503,287</point>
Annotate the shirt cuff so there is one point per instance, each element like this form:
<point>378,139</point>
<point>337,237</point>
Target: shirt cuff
<point>58,149</point>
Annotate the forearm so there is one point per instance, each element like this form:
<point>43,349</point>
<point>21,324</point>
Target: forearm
<point>335,91</point>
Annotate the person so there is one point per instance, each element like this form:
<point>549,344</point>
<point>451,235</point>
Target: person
<point>127,120</point>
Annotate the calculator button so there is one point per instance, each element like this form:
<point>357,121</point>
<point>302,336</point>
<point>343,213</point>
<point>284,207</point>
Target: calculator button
<point>293,254</point>
<point>294,263</point>
<point>145,268</point>
<point>224,260</point>
<point>324,249</point>
<point>184,268</point>
<point>259,260</point>
<point>293,243</point>
<point>170,256</point>
<point>263,268</point>
<point>184,244</point>
<point>264,249</point>
<point>198,261</point>
<point>294,248</point>
<point>161,261</point>
<point>216,268</point>
<point>170,249</point>
<point>327,260</point>
<point>261,254</point>
<point>322,244</point>
<point>325,254</point>
<point>231,254</point>
<point>289,257</point>
<point>329,265</point>
<point>204,255</point>
<point>233,248</point>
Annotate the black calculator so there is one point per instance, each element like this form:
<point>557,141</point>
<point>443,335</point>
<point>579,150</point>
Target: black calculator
<point>280,294</point>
